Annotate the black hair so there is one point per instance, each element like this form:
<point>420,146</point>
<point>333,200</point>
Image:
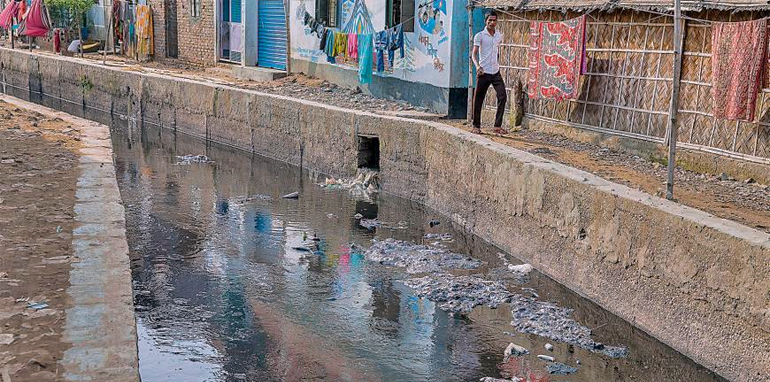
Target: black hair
<point>491,13</point>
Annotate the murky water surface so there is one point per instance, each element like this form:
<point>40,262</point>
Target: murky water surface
<point>222,293</point>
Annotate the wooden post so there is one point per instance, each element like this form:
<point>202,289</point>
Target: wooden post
<point>672,133</point>
<point>108,34</point>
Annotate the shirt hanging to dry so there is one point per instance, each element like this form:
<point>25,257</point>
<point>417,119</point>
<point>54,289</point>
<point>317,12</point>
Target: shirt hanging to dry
<point>556,58</point>
<point>737,58</point>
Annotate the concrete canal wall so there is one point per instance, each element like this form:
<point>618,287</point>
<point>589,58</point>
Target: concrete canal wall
<point>698,283</point>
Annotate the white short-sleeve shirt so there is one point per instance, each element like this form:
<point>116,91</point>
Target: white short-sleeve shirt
<point>488,48</point>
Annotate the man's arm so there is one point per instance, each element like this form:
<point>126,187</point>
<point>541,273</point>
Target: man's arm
<point>475,58</point>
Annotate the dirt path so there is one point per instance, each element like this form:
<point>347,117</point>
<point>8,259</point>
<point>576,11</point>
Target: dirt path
<point>37,194</point>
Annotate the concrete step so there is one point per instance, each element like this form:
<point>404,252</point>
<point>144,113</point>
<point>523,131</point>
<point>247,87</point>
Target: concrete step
<point>252,73</point>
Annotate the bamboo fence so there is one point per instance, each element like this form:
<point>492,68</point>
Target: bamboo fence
<point>627,87</point>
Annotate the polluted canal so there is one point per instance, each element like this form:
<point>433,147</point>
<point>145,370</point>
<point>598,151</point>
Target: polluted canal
<point>234,282</point>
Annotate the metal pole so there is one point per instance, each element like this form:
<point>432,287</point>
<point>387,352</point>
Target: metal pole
<point>673,128</point>
<point>470,60</point>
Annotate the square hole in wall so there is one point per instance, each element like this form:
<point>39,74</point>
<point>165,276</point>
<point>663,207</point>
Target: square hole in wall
<point>368,152</point>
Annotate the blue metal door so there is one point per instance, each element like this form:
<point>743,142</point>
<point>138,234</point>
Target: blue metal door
<point>271,34</point>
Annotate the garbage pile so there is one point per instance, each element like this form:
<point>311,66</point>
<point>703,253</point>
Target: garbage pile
<point>548,320</point>
<point>364,184</point>
<point>418,258</point>
<point>459,294</point>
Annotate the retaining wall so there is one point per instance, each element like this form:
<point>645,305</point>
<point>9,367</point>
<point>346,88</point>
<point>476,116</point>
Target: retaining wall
<point>698,283</point>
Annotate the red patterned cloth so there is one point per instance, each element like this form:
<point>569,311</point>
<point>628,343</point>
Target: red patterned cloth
<point>6,17</point>
<point>556,58</point>
<point>738,52</point>
<point>36,23</point>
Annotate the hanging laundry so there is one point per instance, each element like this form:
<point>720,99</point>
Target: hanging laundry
<point>6,17</point>
<point>380,45</point>
<point>737,56</point>
<point>36,23</point>
<point>366,55</point>
<point>306,19</point>
<point>329,46</point>
<point>352,52</point>
<point>340,43</point>
<point>145,44</point>
<point>324,35</point>
<point>395,42</point>
<point>556,58</point>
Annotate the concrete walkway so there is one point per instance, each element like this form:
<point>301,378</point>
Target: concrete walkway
<point>100,325</point>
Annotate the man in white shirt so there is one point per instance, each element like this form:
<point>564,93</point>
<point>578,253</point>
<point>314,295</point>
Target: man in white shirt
<point>486,45</point>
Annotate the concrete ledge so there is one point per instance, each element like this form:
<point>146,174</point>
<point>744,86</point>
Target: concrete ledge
<point>100,325</point>
<point>694,281</point>
<point>257,74</point>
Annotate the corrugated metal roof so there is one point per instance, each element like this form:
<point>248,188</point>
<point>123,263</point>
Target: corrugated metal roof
<point>584,5</point>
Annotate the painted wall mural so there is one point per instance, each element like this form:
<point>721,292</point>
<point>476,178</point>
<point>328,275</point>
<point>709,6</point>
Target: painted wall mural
<point>427,50</point>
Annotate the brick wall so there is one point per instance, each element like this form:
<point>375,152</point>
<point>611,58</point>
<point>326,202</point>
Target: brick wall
<point>197,35</point>
<point>159,27</point>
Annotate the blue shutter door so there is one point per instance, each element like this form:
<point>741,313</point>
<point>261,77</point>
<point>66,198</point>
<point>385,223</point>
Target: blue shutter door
<point>271,33</point>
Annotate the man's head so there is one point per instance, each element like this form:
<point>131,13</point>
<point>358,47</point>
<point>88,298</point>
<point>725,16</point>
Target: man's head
<point>491,20</point>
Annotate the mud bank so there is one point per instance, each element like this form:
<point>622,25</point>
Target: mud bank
<point>696,282</point>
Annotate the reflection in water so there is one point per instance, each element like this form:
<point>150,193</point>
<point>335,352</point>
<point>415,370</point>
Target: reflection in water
<point>224,290</point>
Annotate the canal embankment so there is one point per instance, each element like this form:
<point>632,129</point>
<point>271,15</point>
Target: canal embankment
<point>696,282</point>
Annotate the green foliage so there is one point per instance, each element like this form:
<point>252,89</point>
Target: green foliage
<point>70,13</point>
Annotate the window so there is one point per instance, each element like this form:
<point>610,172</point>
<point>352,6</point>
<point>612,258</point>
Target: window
<point>195,8</point>
<point>400,11</point>
<point>326,12</point>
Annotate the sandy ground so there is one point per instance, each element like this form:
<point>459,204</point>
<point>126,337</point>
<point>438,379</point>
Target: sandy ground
<point>37,193</point>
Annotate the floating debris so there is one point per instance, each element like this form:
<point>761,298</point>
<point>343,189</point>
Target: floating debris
<point>364,184</point>
<point>417,258</point>
<point>490,379</point>
<point>370,223</point>
<point>186,160</point>
<point>440,236</point>
<point>549,347</point>
<point>358,216</point>
<point>560,369</point>
<point>515,350</point>
<point>522,269</point>
<point>293,195</point>
<point>548,320</point>
<point>459,294</point>
<point>546,358</point>
<point>37,305</point>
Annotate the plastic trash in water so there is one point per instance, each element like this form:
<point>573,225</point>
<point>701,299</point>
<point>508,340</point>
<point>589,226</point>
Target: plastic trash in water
<point>293,195</point>
<point>37,305</point>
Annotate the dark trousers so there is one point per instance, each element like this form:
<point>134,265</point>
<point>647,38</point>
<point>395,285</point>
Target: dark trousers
<point>482,85</point>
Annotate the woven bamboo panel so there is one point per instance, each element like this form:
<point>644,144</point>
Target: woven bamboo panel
<point>628,84</point>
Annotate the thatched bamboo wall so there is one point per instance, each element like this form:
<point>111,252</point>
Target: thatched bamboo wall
<point>627,89</point>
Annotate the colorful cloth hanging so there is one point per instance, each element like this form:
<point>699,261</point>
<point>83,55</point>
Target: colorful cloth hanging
<point>556,58</point>
<point>6,17</point>
<point>380,45</point>
<point>738,52</point>
<point>352,52</point>
<point>329,47</point>
<point>36,22</point>
<point>395,42</point>
<point>366,56</point>
<point>145,44</point>
<point>340,43</point>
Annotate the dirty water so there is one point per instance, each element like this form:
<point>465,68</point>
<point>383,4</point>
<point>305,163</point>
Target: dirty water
<point>234,283</point>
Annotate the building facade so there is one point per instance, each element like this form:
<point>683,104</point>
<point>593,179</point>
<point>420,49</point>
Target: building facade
<point>434,70</point>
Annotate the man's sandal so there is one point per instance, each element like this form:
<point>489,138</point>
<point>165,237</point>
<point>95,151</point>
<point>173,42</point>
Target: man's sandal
<point>500,131</point>
<point>476,130</point>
